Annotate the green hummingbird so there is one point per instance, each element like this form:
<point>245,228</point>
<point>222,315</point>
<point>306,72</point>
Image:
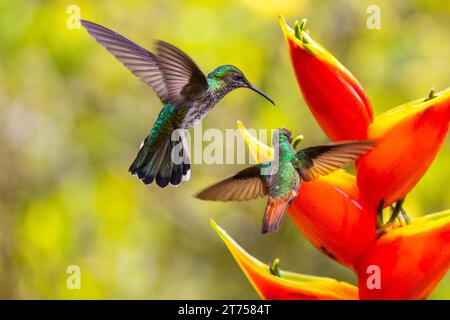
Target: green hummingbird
<point>281,178</point>
<point>186,93</point>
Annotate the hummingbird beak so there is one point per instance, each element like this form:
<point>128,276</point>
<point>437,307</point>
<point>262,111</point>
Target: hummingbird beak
<point>252,87</point>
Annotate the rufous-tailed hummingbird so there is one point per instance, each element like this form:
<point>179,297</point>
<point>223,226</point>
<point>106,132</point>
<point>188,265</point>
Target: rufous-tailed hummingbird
<point>281,178</point>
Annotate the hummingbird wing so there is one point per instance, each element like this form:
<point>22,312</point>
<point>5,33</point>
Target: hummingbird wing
<point>138,60</point>
<point>245,185</point>
<point>183,78</point>
<point>315,161</point>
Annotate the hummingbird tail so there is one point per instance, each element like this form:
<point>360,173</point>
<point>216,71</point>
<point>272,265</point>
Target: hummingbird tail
<point>167,162</point>
<point>274,214</point>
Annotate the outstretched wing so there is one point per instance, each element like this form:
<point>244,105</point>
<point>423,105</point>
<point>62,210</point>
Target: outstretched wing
<point>138,60</point>
<point>183,78</point>
<point>244,185</point>
<point>322,160</point>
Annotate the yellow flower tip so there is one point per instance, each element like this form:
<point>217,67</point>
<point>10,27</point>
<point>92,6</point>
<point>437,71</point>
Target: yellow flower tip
<point>389,119</point>
<point>282,21</point>
<point>287,30</point>
<point>244,132</point>
<point>237,251</point>
<point>299,27</point>
<point>260,151</point>
<point>216,228</point>
<point>300,37</point>
<point>222,233</point>
<point>248,264</point>
<point>270,282</point>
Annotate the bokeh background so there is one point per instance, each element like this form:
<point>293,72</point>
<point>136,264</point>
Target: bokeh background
<point>72,119</point>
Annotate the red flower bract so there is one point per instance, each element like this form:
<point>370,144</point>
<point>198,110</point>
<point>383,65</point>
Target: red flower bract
<point>411,260</point>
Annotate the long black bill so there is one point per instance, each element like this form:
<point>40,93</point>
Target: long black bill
<point>252,87</point>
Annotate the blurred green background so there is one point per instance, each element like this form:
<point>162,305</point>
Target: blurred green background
<point>72,119</point>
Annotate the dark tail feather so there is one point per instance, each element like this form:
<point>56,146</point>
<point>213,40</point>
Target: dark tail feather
<point>165,169</point>
<point>186,164</point>
<point>163,164</point>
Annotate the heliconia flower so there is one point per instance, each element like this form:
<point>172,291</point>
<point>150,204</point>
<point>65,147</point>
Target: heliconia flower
<point>408,138</point>
<point>330,211</point>
<point>338,213</point>
<point>285,285</point>
<point>334,96</point>
<point>407,262</point>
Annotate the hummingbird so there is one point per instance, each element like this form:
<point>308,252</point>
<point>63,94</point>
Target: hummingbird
<point>187,96</point>
<point>281,178</point>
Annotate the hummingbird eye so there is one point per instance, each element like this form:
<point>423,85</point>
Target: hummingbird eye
<point>238,76</point>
